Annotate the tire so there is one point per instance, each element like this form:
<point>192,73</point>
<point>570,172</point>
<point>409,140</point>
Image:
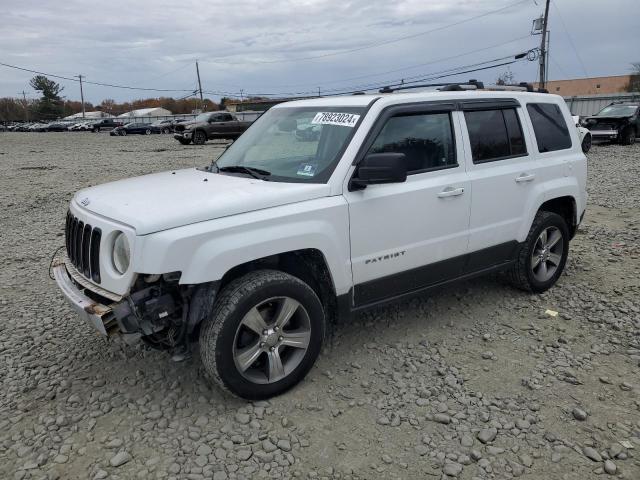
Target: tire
<point>271,366</point>
<point>537,278</point>
<point>628,136</point>
<point>166,131</point>
<point>123,133</point>
<point>147,132</point>
<point>184,142</point>
<point>199,137</point>
<point>96,130</point>
<point>586,144</point>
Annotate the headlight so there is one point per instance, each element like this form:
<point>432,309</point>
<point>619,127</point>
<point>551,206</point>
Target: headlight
<point>121,253</point>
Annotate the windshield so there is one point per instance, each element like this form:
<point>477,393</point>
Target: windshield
<point>203,117</point>
<point>617,110</point>
<point>297,144</point>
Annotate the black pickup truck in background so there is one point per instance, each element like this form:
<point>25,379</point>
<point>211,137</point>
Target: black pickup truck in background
<point>106,124</point>
<point>208,126</point>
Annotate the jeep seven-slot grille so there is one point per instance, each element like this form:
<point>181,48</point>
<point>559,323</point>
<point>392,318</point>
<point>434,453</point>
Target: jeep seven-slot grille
<point>83,247</point>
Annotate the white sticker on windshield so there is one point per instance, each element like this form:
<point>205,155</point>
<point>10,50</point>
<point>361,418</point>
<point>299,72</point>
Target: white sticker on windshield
<point>333,118</point>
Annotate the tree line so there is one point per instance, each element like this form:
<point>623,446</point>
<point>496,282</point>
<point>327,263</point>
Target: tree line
<point>52,105</point>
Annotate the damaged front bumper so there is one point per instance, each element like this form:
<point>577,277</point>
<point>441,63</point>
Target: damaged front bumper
<point>604,134</point>
<point>183,136</point>
<point>96,314</point>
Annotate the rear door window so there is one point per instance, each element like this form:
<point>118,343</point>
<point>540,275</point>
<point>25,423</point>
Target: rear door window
<point>549,126</point>
<point>494,134</point>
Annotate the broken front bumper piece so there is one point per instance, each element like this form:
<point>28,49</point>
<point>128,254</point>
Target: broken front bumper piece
<point>96,314</point>
<point>183,136</point>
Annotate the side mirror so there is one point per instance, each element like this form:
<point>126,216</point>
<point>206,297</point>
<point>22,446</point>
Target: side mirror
<point>378,168</point>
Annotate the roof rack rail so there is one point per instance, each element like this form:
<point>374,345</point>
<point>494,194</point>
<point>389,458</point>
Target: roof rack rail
<point>470,85</point>
<point>455,86</point>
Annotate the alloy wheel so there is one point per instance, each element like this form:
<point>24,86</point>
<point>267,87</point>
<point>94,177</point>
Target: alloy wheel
<point>271,340</point>
<point>547,254</point>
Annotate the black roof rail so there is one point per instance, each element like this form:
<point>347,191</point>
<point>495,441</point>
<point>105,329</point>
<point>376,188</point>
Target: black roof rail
<point>451,86</point>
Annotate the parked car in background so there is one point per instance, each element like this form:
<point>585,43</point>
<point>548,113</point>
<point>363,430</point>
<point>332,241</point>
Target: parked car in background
<point>80,127</point>
<point>162,126</point>
<point>208,126</point>
<point>132,129</point>
<point>616,122</point>
<point>58,126</point>
<point>38,127</point>
<point>106,124</point>
<point>584,133</point>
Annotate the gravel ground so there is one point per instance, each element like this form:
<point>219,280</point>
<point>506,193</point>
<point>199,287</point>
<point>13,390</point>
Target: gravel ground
<point>475,381</point>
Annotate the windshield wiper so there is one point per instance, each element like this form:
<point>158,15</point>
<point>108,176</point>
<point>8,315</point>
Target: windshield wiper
<point>257,173</point>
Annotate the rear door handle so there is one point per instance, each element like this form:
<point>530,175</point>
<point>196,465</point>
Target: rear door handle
<point>451,192</point>
<point>524,177</point>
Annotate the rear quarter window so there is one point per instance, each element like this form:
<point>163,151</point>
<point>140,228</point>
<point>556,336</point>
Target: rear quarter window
<point>549,126</point>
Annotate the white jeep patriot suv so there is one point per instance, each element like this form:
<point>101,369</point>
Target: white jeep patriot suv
<point>255,254</point>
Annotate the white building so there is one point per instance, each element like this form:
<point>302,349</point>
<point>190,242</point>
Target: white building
<point>146,112</point>
<point>89,115</point>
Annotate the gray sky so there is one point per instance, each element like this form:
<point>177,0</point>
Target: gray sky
<point>263,47</point>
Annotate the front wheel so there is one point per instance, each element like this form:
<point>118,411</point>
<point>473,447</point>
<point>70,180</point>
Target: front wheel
<point>166,131</point>
<point>586,144</point>
<point>543,255</point>
<point>123,133</point>
<point>263,335</point>
<point>147,132</point>
<point>628,136</point>
<point>199,137</point>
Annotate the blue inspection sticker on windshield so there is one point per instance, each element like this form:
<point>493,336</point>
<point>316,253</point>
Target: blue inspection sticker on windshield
<point>307,170</point>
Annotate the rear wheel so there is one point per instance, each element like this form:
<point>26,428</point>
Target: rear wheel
<point>166,130</point>
<point>264,334</point>
<point>199,137</point>
<point>628,136</point>
<point>586,143</point>
<point>147,131</point>
<point>543,255</point>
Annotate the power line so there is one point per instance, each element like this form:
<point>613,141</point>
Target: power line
<point>71,79</point>
<point>415,79</point>
<point>573,46</point>
<point>374,44</point>
<point>410,67</point>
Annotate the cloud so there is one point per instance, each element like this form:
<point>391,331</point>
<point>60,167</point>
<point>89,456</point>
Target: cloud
<point>148,42</point>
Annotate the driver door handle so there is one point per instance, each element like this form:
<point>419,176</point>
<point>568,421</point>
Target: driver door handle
<point>525,177</point>
<point>451,192</point>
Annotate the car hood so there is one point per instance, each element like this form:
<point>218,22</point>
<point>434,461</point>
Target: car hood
<point>185,125</point>
<point>609,117</point>
<point>161,201</point>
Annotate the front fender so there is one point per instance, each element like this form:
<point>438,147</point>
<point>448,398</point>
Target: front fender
<point>205,251</point>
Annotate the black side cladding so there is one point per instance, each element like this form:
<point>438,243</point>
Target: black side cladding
<point>83,247</point>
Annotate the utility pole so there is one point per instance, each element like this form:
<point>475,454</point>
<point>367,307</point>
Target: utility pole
<point>543,47</point>
<point>26,107</point>
<point>199,85</point>
<point>319,92</point>
<point>81,95</point>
